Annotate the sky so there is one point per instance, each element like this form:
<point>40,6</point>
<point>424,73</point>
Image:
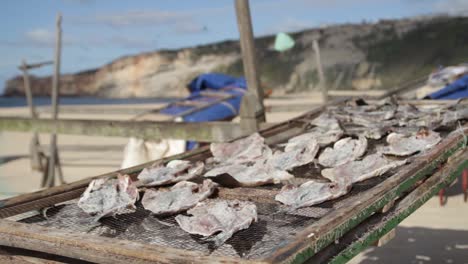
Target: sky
<point>95,32</point>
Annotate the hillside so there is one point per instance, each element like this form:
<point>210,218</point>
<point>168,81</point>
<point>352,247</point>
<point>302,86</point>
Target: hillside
<point>355,56</point>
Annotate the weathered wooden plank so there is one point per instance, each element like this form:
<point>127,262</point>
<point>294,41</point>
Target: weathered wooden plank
<point>97,249</point>
<point>357,209</point>
<point>405,87</point>
<point>23,256</point>
<point>206,132</point>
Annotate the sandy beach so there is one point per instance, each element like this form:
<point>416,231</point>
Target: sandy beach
<point>433,234</point>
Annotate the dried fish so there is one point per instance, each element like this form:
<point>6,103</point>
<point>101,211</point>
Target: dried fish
<point>326,121</point>
<point>248,175</point>
<point>375,132</point>
<point>408,111</point>
<point>222,217</point>
<point>371,166</point>
<point>174,171</point>
<point>239,151</point>
<point>404,145</point>
<point>182,196</point>
<point>323,136</point>
<point>105,197</point>
<point>344,150</point>
<point>451,117</point>
<point>311,193</point>
<point>297,152</point>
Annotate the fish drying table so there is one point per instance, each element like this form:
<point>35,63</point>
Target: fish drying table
<point>333,231</point>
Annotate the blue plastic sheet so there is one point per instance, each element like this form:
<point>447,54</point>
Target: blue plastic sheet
<point>213,83</point>
<point>456,90</point>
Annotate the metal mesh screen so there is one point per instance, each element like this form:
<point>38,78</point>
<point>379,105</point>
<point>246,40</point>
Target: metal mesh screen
<point>277,225</point>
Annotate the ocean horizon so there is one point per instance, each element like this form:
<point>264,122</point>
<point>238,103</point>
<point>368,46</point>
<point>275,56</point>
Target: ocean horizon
<point>19,101</point>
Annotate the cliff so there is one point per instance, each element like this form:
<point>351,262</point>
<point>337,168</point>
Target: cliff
<point>355,56</point>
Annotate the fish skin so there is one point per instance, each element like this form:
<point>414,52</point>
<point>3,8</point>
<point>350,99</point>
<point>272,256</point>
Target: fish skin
<point>223,216</point>
<point>356,171</point>
<point>375,132</point>
<point>248,175</point>
<point>174,171</point>
<point>296,154</point>
<point>239,151</point>
<point>105,197</point>
<point>311,193</point>
<point>405,145</point>
<point>181,197</point>
<point>327,129</point>
<point>451,117</point>
<point>327,121</point>
<point>246,161</point>
<point>343,151</point>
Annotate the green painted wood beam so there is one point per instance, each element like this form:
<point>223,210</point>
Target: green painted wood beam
<point>340,230</point>
<point>205,132</point>
<point>403,209</point>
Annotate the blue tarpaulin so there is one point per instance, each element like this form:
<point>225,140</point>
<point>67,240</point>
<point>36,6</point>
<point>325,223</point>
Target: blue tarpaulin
<point>457,89</point>
<point>215,81</point>
<point>211,83</point>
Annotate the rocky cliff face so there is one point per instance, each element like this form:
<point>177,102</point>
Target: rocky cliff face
<point>364,56</point>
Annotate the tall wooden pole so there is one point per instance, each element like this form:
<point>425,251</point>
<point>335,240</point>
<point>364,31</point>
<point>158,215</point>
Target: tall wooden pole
<point>35,156</point>
<point>27,89</point>
<point>252,113</point>
<point>323,85</point>
<point>55,94</point>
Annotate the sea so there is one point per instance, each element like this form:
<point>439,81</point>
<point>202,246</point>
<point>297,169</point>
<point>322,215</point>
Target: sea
<point>16,101</point>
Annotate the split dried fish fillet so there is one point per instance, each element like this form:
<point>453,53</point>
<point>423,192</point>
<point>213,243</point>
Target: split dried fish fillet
<point>323,136</point>
<point>182,196</point>
<point>173,171</point>
<point>105,197</point>
<point>239,151</point>
<point>326,130</point>
<point>311,193</point>
<point>251,175</point>
<point>325,120</point>
<point>355,171</point>
<point>343,151</point>
<point>451,117</point>
<point>404,145</point>
<point>375,132</point>
<point>222,217</point>
<point>297,152</point>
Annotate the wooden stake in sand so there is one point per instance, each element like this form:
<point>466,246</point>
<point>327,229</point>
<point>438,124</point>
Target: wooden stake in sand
<point>34,146</point>
<point>54,160</point>
<point>323,85</point>
<point>252,113</point>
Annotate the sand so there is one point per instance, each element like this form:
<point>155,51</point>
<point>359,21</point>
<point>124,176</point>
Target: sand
<point>433,234</point>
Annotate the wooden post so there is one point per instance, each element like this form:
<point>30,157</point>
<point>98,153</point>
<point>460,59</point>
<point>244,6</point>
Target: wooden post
<point>323,84</point>
<point>34,146</point>
<point>53,162</point>
<point>247,44</point>
<point>248,120</point>
<point>27,89</point>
